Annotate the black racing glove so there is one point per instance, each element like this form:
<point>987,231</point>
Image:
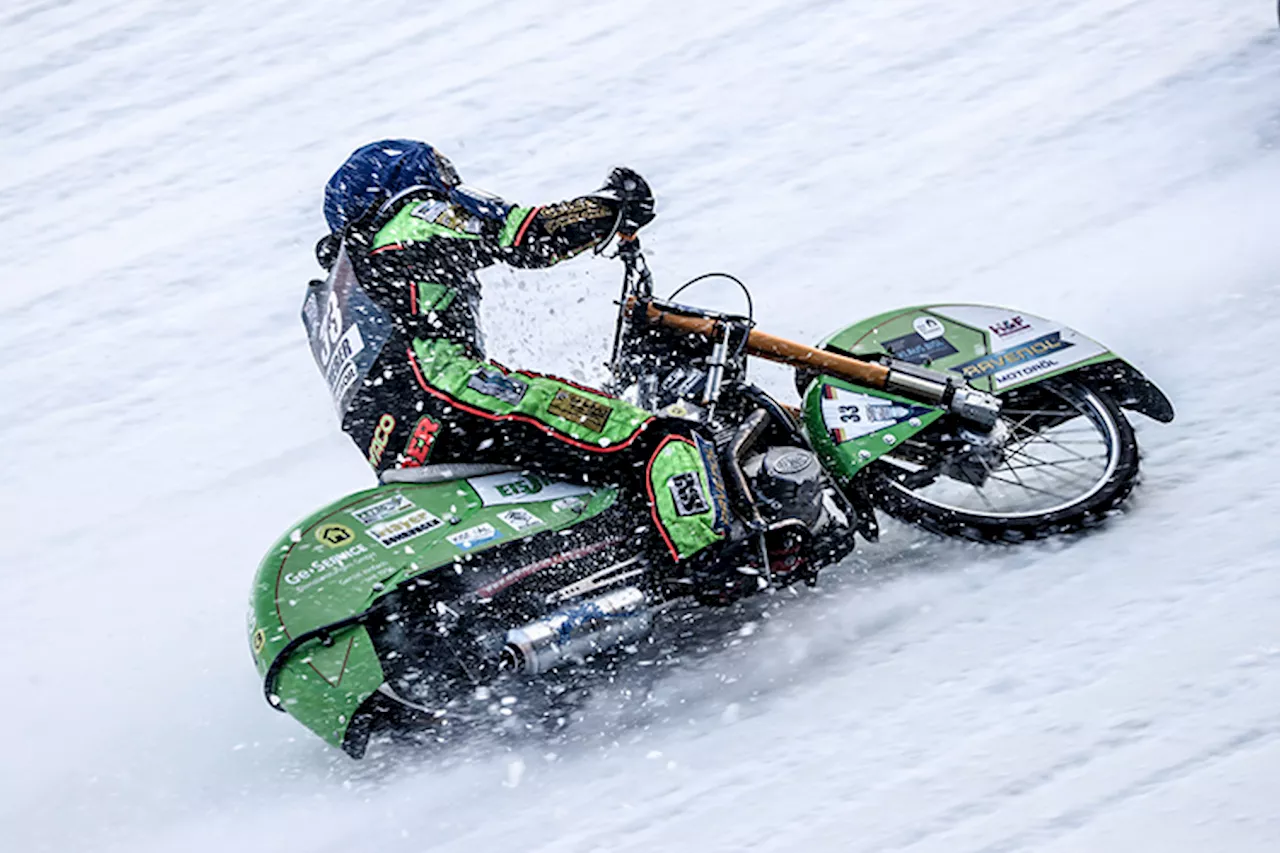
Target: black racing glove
<point>633,197</point>
<point>327,250</point>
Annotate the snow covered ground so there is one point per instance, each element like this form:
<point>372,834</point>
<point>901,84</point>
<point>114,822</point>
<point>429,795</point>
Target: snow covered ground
<point>1112,163</point>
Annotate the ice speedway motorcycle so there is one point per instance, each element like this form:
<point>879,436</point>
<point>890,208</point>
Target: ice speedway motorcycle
<point>386,612</point>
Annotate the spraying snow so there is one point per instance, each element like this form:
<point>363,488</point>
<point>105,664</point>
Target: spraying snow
<point>1108,163</point>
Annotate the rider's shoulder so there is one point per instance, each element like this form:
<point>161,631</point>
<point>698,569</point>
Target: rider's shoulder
<point>408,201</point>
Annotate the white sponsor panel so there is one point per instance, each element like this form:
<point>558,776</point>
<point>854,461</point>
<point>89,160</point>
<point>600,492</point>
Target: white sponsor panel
<point>348,347</point>
<point>406,527</point>
<point>344,382</point>
<point>342,372</point>
<point>520,519</point>
<point>850,414</point>
<point>1003,326</point>
<point>474,536</point>
<point>517,487</point>
<point>386,508</point>
<point>1025,371</point>
<point>1015,325</point>
<point>1007,330</point>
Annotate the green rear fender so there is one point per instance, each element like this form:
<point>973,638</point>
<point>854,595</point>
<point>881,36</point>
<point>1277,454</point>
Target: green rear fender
<point>994,349</point>
<point>339,561</point>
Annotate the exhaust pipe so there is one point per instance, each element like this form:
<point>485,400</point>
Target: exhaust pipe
<point>586,628</point>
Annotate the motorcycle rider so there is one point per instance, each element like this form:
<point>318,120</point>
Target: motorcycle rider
<point>395,330</point>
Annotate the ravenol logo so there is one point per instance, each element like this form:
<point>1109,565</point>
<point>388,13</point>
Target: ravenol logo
<point>988,364</point>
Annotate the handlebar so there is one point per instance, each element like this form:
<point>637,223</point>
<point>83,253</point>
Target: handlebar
<point>931,387</point>
<point>773,348</point>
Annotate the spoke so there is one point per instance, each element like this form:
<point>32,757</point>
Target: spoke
<point>992,475</point>
<point>1019,443</point>
<point>1008,468</point>
<point>1035,435</point>
<point>1075,447</point>
<point>986,500</point>
<point>1054,414</point>
<point>1051,464</point>
<point>1031,488</point>
<point>1067,441</point>
<point>1066,449</point>
<point>1060,426</point>
<point>1061,430</point>
<point>1022,424</point>
<point>1050,468</point>
<point>1071,455</point>
<point>1070,409</point>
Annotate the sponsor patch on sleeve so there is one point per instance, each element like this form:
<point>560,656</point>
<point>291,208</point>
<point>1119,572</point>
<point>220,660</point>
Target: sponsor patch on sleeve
<point>381,435</point>
<point>686,492</point>
<point>496,384</point>
<point>579,409</point>
<point>566,213</point>
<point>418,449</point>
<point>715,480</point>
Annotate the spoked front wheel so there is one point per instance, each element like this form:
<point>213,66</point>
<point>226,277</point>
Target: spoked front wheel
<point>1062,456</point>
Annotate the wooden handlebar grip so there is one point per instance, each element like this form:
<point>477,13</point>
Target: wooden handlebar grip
<point>799,355</point>
<point>782,350</point>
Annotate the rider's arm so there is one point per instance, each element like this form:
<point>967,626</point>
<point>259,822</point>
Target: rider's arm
<point>541,236</point>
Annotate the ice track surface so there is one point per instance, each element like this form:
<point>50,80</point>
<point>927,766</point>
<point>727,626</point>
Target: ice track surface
<point>1113,164</point>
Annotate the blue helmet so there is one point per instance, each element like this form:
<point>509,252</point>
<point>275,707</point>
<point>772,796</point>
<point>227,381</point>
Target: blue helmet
<point>379,170</point>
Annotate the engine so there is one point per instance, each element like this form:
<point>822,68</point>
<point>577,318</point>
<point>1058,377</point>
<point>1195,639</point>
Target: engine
<point>787,483</point>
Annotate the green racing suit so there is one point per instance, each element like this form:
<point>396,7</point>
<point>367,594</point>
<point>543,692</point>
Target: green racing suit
<point>395,330</point>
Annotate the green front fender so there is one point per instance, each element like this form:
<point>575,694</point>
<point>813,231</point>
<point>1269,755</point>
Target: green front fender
<point>994,349</point>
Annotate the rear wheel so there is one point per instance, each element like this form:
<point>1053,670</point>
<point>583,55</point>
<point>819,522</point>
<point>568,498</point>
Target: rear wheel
<point>1061,458</point>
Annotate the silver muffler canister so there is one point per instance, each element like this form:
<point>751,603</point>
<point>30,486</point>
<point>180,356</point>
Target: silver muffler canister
<point>585,628</point>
